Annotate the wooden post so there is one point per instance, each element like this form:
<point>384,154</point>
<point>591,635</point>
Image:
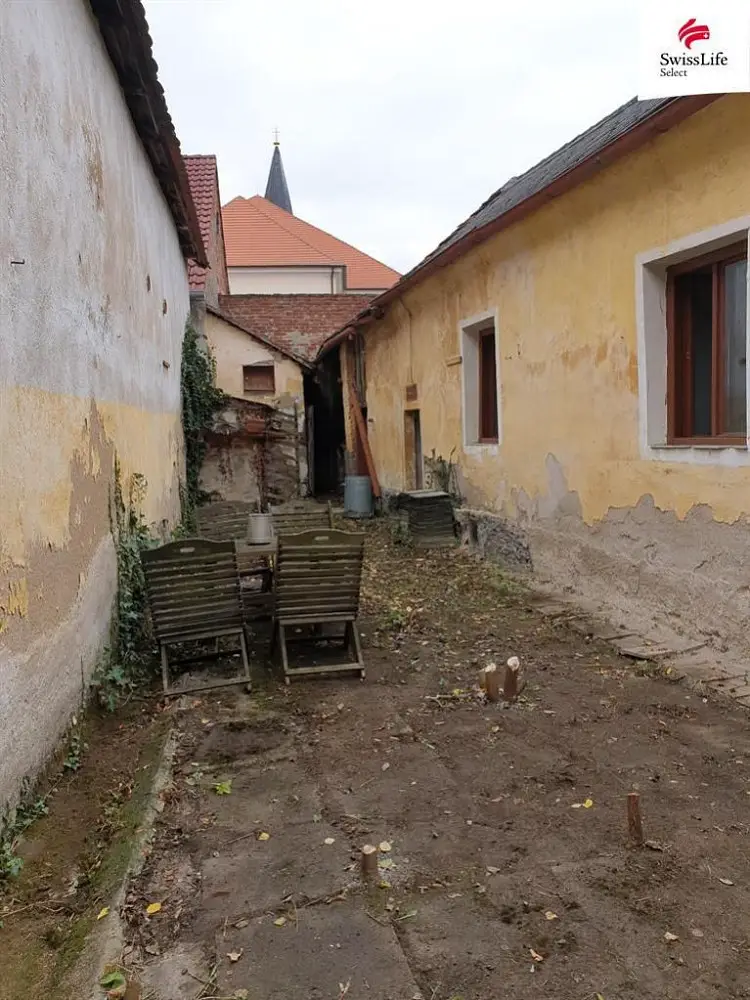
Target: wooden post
<point>635,827</point>
<point>369,861</point>
<point>491,682</point>
<point>510,685</point>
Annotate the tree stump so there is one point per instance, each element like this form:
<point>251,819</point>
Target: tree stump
<point>369,861</point>
<point>491,682</point>
<point>510,684</point>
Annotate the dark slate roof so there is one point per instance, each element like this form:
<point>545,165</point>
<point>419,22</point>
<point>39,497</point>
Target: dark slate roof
<point>519,189</point>
<point>276,189</point>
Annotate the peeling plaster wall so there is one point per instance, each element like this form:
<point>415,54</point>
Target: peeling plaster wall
<point>83,347</point>
<point>568,474</point>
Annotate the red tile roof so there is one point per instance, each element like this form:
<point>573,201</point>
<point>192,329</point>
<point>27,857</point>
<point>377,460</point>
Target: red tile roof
<point>258,233</point>
<point>298,324</point>
<point>203,178</point>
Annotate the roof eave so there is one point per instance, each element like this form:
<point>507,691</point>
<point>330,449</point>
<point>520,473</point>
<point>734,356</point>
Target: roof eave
<point>124,30</point>
<point>667,117</point>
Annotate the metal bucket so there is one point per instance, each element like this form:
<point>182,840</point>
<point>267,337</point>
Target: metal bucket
<point>259,529</point>
<point>357,496</point>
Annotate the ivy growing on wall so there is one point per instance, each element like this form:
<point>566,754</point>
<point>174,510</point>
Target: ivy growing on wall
<point>201,400</point>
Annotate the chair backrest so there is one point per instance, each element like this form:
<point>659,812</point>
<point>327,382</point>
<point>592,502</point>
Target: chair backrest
<point>224,521</point>
<point>192,586</point>
<point>318,572</point>
<point>293,518</point>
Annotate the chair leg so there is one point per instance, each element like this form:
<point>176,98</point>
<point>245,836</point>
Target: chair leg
<point>284,656</point>
<point>245,661</point>
<point>358,649</point>
<point>164,667</point>
<point>274,637</point>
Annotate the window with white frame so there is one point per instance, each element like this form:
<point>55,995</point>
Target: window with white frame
<point>480,368</point>
<point>693,344</point>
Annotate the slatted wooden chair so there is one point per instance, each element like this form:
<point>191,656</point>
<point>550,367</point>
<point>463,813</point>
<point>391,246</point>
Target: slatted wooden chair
<point>292,518</point>
<point>317,582</point>
<point>194,595</point>
<point>224,521</point>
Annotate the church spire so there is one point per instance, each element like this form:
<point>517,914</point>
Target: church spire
<point>276,189</point>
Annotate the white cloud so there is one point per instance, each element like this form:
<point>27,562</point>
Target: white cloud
<point>397,119</point>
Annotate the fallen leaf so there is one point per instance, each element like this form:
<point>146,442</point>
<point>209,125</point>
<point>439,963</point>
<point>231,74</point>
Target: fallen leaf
<point>726,881</point>
<point>102,913</point>
<point>235,956</point>
<point>384,846</point>
<point>240,995</point>
<point>113,981</point>
<point>264,836</point>
<point>576,805</point>
<point>223,787</point>
<point>385,885</point>
<point>386,864</point>
<point>495,729</point>
<point>385,766</point>
<point>280,921</point>
<point>329,841</point>
<point>491,870</point>
<point>535,955</point>
<point>669,937</point>
<point>588,803</point>
<point>340,706</point>
<point>696,933</point>
<point>242,923</point>
<point>153,908</point>
<point>599,996</point>
<point>550,915</point>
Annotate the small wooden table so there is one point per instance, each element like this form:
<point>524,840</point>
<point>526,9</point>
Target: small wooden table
<point>256,604</point>
<point>245,548</point>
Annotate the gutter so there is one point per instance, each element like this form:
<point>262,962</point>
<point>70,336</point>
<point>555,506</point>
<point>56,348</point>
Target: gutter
<point>661,121</point>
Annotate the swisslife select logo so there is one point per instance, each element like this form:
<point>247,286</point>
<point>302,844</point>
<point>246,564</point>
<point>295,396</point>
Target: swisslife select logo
<point>688,35</point>
<point>685,50</point>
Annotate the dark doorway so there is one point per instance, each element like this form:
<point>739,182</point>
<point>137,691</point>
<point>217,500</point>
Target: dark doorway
<point>413,450</point>
<point>326,433</point>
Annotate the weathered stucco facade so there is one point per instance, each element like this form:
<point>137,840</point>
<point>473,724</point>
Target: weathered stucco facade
<point>578,477</point>
<point>233,349</point>
<point>92,305</point>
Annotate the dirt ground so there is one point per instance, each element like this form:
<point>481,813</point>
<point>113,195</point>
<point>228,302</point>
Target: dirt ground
<point>508,874</point>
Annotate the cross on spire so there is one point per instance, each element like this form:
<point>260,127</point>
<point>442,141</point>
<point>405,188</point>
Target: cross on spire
<point>275,137</point>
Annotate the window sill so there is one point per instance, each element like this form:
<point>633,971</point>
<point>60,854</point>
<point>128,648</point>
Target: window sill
<point>727,455</point>
<point>482,448</point>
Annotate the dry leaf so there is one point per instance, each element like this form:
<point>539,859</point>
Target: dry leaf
<point>240,995</point>
<point>588,803</point>
<point>384,846</point>
<point>550,915</point>
<point>385,766</point>
<point>669,937</point>
<point>495,729</point>
<point>264,836</point>
<point>696,933</point>
<point>576,805</point>
<point>235,956</point>
<point>599,996</point>
<point>329,841</point>
<point>280,921</point>
<point>242,923</point>
<point>726,881</point>
<point>491,870</point>
<point>102,913</point>
<point>153,908</point>
<point>535,955</point>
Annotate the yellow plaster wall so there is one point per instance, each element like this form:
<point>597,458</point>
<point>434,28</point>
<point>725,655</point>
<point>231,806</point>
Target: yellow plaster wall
<point>234,348</point>
<point>563,283</point>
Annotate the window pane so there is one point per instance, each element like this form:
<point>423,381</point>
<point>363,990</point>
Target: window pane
<point>735,308</point>
<point>701,295</point>
<point>488,388</point>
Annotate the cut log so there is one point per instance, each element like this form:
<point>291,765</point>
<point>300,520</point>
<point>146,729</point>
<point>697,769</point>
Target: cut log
<point>510,684</point>
<point>491,682</point>
<point>369,861</point>
<point>635,827</point>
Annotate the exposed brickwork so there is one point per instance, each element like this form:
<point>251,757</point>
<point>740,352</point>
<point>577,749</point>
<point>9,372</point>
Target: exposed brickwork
<point>296,323</point>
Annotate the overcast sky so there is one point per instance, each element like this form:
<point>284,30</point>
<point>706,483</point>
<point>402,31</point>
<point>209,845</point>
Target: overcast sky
<point>396,119</point>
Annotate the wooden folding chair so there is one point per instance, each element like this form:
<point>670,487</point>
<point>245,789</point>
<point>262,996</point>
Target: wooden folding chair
<point>194,595</point>
<point>317,582</point>
<point>295,517</point>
